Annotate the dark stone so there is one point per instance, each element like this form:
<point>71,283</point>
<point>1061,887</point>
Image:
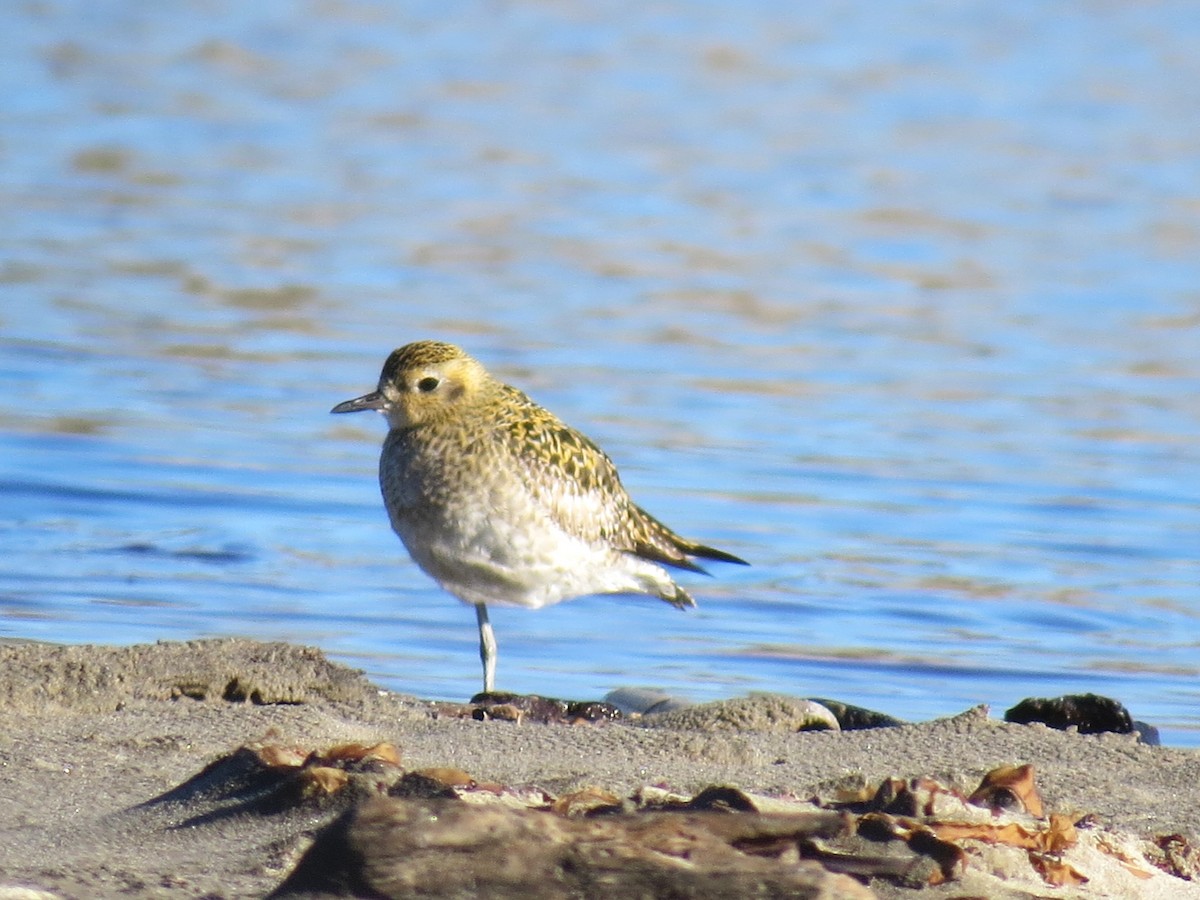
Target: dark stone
<point>1090,713</point>
<point>592,711</point>
<point>544,710</point>
<point>856,718</point>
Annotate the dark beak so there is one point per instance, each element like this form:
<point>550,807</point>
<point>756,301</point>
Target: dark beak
<point>373,400</point>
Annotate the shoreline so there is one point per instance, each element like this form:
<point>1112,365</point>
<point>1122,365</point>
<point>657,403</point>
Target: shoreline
<point>89,735</point>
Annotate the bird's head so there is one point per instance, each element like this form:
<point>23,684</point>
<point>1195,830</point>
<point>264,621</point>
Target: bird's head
<point>423,382</point>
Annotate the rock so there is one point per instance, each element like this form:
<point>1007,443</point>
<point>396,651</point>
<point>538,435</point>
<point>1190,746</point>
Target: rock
<point>643,701</point>
<point>758,712</point>
<point>1089,713</point>
<point>503,706</point>
<point>853,718</point>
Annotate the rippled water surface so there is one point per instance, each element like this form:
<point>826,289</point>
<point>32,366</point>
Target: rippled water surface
<point>900,302</point>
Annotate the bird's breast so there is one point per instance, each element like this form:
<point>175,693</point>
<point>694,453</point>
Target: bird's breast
<point>433,477</point>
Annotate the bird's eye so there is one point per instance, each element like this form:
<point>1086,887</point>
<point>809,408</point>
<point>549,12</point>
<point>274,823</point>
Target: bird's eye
<point>428,384</point>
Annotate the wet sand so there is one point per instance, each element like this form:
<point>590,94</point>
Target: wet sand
<point>89,734</point>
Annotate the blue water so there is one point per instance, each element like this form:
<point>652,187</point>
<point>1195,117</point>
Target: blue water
<point>897,301</point>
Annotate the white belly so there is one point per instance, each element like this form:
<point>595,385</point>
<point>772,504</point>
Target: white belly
<point>493,562</point>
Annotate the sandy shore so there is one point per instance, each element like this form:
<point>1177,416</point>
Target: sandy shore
<point>89,734</point>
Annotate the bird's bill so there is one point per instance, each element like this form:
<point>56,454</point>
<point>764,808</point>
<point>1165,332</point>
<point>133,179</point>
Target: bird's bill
<point>373,400</point>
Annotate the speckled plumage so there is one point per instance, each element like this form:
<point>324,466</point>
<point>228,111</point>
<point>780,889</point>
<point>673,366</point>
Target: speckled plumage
<point>501,502</point>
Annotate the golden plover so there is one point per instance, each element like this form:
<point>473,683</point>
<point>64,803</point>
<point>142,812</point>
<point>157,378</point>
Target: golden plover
<point>501,502</point>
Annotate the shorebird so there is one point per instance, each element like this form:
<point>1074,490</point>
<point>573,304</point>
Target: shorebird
<point>501,502</point>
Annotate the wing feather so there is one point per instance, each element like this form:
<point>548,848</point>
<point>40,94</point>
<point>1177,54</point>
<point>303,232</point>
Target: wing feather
<point>579,488</point>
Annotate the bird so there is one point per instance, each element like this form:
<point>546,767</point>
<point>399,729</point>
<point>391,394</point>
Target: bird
<point>501,502</point>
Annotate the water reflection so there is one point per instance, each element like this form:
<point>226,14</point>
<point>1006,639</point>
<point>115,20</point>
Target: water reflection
<point>902,309</point>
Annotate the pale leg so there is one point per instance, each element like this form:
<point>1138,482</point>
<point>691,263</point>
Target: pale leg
<point>487,648</point>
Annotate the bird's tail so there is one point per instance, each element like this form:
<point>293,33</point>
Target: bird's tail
<point>691,548</point>
<point>660,544</point>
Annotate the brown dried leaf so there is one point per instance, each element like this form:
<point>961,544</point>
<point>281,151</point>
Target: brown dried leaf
<point>846,795</point>
<point>950,858</point>
<point>1132,864</point>
<point>1011,834</point>
<point>1061,835</point>
<point>322,781</point>
<point>1173,853</point>
<point>352,752</point>
<point>584,801</point>
<point>276,756</point>
<point>928,790</point>
<point>1009,788</point>
<point>1136,870</point>
<point>447,776</point>
<point>1057,872</point>
<point>1056,837</point>
<point>912,797</point>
